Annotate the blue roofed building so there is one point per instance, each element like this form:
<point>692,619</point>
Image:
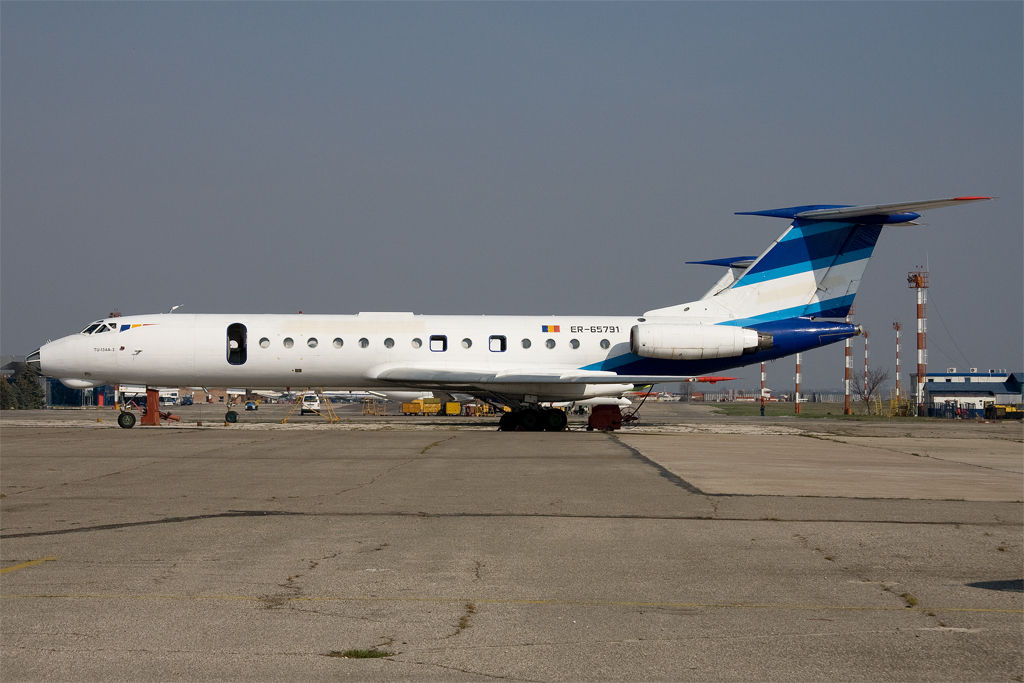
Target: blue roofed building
<point>965,394</point>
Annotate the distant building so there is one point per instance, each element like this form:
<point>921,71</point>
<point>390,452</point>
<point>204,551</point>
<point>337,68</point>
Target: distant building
<point>11,365</point>
<point>966,393</point>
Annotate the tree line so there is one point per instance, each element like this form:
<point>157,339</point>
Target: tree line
<point>22,391</point>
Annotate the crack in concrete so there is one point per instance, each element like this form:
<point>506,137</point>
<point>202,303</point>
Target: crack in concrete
<point>164,520</point>
<point>469,671</point>
<point>888,587</point>
<point>384,473</point>
<point>898,451</point>
<point>470,610</point>
<point>499,515</point>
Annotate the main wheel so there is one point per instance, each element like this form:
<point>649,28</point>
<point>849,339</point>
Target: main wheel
<point>508,422</point>
<point>554,420</point>
<point>126,420</point>
<point>530,420</point>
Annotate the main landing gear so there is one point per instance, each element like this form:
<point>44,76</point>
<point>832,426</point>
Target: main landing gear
<point>533,420</point>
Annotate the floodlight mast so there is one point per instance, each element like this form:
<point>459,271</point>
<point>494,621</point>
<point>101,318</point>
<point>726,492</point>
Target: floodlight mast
<point>918,279</point>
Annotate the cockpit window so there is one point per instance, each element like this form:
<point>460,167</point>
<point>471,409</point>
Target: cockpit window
<point>99,326</point>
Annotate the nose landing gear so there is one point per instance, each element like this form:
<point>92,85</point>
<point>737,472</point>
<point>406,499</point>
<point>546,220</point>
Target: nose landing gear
<point>151,414</point>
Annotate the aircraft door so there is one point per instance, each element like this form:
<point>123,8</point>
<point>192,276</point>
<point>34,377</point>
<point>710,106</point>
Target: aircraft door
<point>236,344</point>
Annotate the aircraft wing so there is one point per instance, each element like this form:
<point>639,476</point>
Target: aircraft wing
<point>425,374</point>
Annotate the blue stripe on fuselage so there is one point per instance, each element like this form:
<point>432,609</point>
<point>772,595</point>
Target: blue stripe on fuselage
<point>830,308</point>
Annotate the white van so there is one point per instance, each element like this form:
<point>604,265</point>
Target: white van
<point>310,404</point>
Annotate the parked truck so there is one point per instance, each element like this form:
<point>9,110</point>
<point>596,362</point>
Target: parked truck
<point>428,406</point>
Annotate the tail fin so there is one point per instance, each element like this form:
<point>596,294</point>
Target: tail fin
<point>814,268</point>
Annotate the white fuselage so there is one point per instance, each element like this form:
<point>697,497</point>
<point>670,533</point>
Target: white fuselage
<point>337,351</point>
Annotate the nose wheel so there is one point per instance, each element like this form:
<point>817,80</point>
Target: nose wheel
<point>126,420</point>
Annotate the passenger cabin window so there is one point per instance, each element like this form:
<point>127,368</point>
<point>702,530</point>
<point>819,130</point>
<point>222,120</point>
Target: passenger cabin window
<point>497,343</point>
<point>236,343</point>
<point>438,342</point>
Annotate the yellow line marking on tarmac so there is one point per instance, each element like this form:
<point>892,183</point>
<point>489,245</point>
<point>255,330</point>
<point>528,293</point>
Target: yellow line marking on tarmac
<point>28,564</point>
<point>516,601</point>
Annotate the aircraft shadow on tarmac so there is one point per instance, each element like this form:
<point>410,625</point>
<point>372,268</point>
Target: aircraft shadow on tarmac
<point>1012,585</point>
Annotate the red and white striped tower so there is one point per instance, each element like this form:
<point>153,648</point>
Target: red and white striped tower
<point>797,409</point>
<point>848,372</point>
<point>918,280</point>
<point>762,379</point>
<point>897,326</point>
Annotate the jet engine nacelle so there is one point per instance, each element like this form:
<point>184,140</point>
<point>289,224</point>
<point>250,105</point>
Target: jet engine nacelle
<point>695,342</point>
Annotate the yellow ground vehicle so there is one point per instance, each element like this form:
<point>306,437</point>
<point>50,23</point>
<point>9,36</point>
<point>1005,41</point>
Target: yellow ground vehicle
<point>994,411</point>
<point>422,407</point>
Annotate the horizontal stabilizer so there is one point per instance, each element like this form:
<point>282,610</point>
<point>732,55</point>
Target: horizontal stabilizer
<point>733,262</point>
<point>885,209</point>
<point>902,212</point>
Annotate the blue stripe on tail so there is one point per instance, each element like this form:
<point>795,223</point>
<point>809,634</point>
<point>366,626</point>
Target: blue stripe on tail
<point>811,246</point>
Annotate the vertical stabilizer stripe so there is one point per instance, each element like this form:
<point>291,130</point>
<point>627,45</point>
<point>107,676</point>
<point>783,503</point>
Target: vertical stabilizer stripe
<point>805,267</point>
<point>822,249</point>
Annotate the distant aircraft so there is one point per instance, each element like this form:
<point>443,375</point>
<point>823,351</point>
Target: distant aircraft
<point>763,308</point>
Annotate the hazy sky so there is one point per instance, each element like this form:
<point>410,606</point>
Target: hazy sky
<point>546,158</point>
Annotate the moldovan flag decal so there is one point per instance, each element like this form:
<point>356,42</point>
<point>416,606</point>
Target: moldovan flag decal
<point>549,328</point>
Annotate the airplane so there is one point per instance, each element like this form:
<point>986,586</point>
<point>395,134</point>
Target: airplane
<point>791,298</point>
